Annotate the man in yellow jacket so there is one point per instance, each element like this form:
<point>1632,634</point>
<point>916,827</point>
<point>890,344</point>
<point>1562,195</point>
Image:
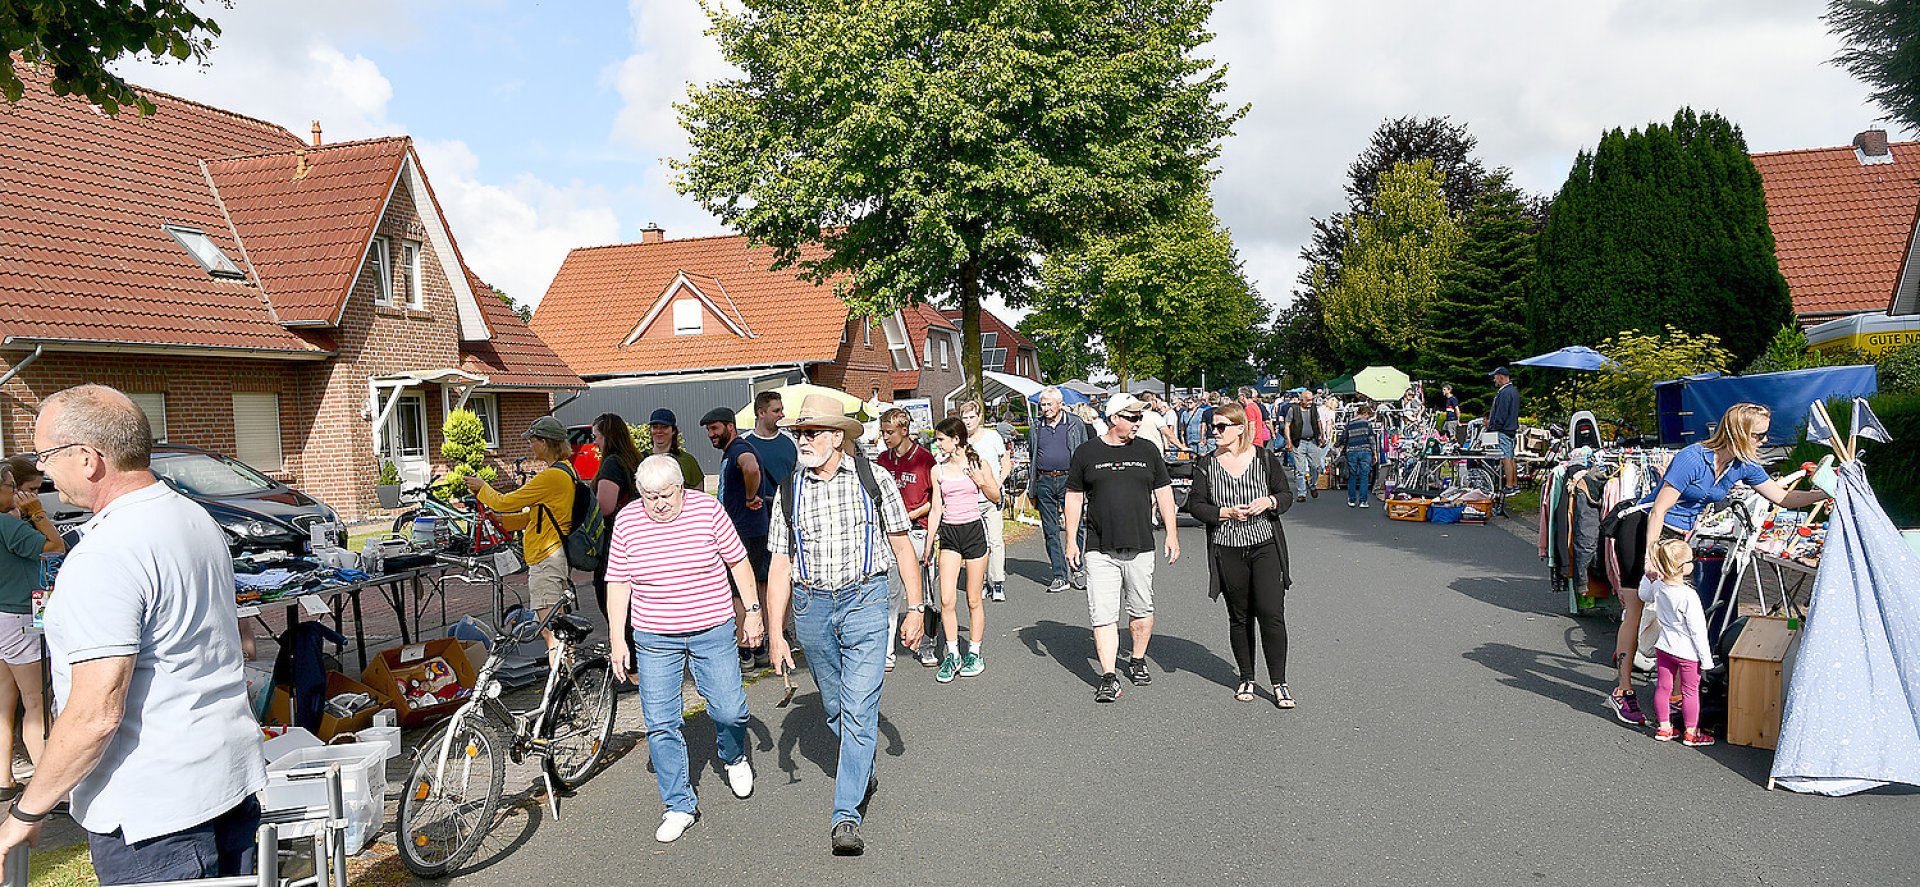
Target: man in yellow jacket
<point>543,509</point>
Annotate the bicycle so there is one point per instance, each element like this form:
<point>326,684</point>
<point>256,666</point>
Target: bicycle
<point>458,774</point>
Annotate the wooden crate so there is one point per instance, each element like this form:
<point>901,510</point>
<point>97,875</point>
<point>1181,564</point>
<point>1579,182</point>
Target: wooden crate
<point>1755,678</point>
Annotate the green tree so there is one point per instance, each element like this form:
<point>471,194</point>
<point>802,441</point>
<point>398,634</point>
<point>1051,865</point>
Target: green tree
<point>1376,312</point>
<point>1474,321</point>
<point>1662,226</point>
<point>77,40</point>
<point>1644,359</point>
<point>523,311</point>
<point>939,149</point>
<point>1448,145</point>
<point>1167,299</point>
<point>1296,345</point>
<point>464,446</point>
<point>1881,47</point>
<point>1066,349</point>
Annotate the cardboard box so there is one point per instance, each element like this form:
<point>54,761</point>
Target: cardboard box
<point>1756,676</point>
<point>280,708</point>
<point>423,682</point>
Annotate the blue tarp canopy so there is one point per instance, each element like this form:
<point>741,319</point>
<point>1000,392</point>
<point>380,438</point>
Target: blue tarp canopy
<point>1688,407</point>
<point>1572,357</point>
<point>1068,396</point>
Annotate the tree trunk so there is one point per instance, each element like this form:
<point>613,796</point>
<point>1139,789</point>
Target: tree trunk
<point>970,355</point>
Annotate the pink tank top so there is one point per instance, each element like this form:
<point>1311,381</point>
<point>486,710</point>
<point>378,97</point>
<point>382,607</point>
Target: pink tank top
<point>959,500</point>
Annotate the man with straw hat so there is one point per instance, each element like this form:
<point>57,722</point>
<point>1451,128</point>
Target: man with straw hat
<point>837,528</point>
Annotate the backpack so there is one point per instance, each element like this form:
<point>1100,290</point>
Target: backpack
<point>586,542</point>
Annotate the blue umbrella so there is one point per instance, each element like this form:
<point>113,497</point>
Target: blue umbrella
<point>1572,357</point>
<point>1068,396</point>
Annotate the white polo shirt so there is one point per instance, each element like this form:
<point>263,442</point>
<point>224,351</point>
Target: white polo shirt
<point>151,578</point>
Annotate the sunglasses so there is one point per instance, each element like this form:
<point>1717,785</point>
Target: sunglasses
<point>1222,426</point>
<point>1760,435</point>
<point>1130,417</point>
<point>811,433</point>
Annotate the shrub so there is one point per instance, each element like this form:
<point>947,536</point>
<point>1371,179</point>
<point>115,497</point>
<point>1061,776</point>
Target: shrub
<point>1893,468</point>
<point>389,473</point>
<point>464,446</point>
<point>1627,391</point>
<point>1900,369</point>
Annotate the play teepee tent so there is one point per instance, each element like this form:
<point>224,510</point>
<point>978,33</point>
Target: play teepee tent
<point>1852,717</point>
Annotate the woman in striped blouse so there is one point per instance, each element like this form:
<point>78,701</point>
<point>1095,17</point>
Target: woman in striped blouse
<point>1239,492</point>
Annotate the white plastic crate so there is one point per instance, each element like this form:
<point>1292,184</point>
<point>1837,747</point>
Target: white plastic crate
<point>363,786</point>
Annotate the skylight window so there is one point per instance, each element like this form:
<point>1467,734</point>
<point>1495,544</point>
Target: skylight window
<point>203,250</point>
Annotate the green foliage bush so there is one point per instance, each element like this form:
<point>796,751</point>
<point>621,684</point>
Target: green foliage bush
<point>1893,468</point>
<point>1900,369</point>
<point>1627,393</point>
<point>464,446</point>
<point>389,473</point>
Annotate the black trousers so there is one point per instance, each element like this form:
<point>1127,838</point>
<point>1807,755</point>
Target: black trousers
<point>1250,580</point>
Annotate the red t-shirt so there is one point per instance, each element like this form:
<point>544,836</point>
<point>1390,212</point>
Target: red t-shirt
<point>913,473</point>
<point>677,570</point>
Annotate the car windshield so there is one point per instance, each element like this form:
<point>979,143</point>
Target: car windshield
<point>199,474</point>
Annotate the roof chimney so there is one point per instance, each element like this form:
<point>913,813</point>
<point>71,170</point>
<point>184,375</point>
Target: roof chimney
<point>316,134</point>
<point>653,233</point>
<point>1870,147</point>
<point>300,155</point>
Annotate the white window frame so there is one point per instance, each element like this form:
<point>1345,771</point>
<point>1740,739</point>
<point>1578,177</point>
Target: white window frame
<point>204,251</point>
<point>377,258</point>
<point>242,450</point>
<point>487,408</point>
<point>898,344</point>
<point>394,431</point>
<point>410,264</point>
<point>866,333</point>
<point>157,420</point>
<point>946,359</point>
<point>689,318</point>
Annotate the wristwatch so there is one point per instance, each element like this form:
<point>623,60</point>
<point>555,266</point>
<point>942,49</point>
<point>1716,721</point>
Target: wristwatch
<point>751,608</point>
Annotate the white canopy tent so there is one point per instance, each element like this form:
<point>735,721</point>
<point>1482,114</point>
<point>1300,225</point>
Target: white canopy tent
<point>1001,386</point>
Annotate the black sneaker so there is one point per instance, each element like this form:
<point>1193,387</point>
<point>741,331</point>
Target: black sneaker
<point>1109,689</point>
<point>846,839</point>
<point>1137,672</point>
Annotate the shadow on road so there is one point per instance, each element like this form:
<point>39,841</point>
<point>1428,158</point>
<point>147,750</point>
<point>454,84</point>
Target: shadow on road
<point>803,730</point>
<point>1072,647</point>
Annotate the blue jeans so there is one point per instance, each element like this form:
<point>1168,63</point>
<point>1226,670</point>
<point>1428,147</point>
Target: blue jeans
<point>220,847</point>
<point>658,661</point>
<point>1050,496</point>
<point>844,632</point>
<point>1359,475</point>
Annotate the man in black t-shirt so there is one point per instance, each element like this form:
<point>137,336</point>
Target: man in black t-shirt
<point>1116,480</point>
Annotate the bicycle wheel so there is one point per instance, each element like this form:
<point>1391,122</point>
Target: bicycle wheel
<point>403,523</point>
<point>447,807</point>
<point>1480,477</point>
<point>580,725</point>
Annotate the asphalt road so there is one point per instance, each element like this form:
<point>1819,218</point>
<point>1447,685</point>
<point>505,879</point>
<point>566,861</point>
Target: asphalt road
<point>1451,730</point>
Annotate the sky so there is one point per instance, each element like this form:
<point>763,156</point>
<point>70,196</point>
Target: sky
<point>545,126</point>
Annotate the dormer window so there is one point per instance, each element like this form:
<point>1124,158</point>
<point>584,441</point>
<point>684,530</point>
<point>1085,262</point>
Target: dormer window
<point>688,319</point>
<point>203,250</point>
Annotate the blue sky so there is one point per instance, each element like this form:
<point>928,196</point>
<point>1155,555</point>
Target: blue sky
<point>542,125</point>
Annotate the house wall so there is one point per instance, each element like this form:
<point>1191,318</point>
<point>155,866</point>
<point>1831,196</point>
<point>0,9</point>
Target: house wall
<point>199,393</point>
<point>936,383</point>
<point>861,368</point>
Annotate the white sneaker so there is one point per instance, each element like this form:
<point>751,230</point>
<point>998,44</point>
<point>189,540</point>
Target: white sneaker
<point>672,826</point>
<point>1352,504</point>
<point>1363,503</point>
<point>740,779</point>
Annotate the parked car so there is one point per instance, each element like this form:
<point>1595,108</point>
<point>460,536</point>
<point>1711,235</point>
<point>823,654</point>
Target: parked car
<point>258,512</point>
<point>586,453</point>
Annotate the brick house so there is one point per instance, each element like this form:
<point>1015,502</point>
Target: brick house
<point>1003,349</point>
<point>705,307</point>
<point>1844,222</point>
<point>300,306</point>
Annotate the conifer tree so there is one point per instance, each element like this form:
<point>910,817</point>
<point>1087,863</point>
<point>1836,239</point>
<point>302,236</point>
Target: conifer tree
<point>1474,322</point>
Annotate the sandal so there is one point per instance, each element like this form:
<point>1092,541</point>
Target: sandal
<point>1281,698</point>
<point>1245,693</point>
<point>11,793</point>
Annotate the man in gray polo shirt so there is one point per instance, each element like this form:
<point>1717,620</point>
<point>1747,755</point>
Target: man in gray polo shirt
<point>154,741</point>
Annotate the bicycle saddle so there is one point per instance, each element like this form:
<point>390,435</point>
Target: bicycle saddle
<point>571,628</point>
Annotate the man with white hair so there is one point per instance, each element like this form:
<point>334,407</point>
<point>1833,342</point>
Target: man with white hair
<point>1115,480</point>
<point>667,591</point>
<point>838,527</point>
<point>155,742</point>
<point>1051,443</point>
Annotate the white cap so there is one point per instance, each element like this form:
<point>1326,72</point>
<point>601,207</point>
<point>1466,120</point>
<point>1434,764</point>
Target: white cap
<point>1124,403</point>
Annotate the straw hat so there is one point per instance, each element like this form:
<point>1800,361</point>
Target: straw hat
<point>821,411</point>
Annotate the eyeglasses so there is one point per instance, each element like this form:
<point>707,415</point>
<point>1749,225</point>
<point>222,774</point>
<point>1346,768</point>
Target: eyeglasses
<point>810,433</point>
<point>42,456</point>
<point>1130,417</point>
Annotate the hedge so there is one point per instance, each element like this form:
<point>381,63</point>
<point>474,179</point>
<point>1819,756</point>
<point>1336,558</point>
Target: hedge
<point>1893,468</point>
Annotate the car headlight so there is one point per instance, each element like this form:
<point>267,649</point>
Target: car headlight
<point>254,529</point>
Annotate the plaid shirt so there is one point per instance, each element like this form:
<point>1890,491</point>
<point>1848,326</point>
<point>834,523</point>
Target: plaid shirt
<point>841,533</point>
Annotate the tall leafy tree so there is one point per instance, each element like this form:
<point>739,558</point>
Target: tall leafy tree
<point>1656,227</point>
<point>1296,345</point>
<point>1377,311</point>
<point>1067,350</point>
<point>1882,48</point>
<point>77,40</point>
<point>1167,299</point>
<point>938,149</point>
<point>1474,322</point>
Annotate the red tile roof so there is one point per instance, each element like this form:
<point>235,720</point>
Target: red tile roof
<point>306,233</point>
<point>83,197</point>
<point>602,293</point>
<point>514,357</point>
<point>1840,227</point>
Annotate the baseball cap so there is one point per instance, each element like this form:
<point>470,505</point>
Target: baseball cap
<point>1501,372</point>
<point>717,414</point>
<point>662,416</point>
<point>1123,403</point>
<point>547,427</point>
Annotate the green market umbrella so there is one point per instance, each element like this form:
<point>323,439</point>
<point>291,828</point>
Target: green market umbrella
<point>1381,383</point>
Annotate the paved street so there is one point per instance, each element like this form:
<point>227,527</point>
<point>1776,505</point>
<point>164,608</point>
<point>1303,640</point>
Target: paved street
<point>1450,731</point>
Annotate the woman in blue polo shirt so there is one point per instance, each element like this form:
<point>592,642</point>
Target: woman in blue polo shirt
<point>1699,475</point>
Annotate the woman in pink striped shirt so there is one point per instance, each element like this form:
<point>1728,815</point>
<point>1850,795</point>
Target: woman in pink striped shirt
<point>667,570</point>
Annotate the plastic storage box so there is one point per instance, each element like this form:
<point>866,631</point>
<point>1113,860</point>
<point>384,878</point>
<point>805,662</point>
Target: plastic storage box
<point>363,784</point>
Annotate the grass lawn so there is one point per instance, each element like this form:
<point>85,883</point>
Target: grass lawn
<point>66,867</point>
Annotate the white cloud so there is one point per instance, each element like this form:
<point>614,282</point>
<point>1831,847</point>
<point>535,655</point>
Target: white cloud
<point>671,53</point>
<point>1535,82</point>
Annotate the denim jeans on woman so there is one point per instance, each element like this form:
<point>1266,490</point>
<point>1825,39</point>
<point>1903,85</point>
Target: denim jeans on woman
<point>1359,475</point>
<point>659,661</point>
<point>845,634</point>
